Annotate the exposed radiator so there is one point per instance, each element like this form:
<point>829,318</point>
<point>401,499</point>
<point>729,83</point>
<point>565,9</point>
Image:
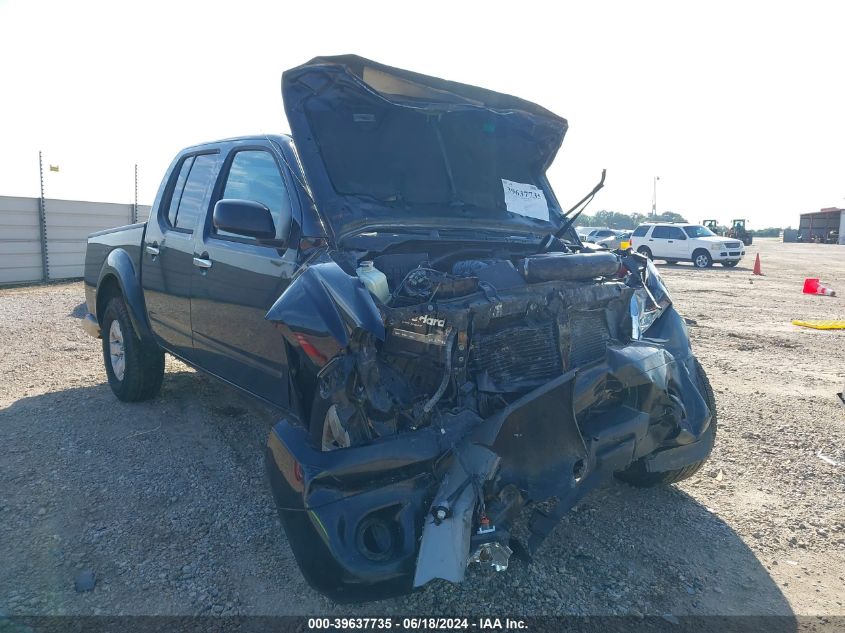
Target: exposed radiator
<point>518,354</point>
<point>589,336</point>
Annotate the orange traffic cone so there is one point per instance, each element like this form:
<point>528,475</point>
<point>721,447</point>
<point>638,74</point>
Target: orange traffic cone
<point>813,287</point>
<point>757,270</point>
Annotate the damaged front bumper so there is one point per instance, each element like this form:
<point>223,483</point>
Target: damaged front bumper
<point>381,519</point>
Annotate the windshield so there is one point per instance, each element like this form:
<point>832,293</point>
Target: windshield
<point>698,231</point>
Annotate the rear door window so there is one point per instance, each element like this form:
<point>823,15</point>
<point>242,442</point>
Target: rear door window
<point>661,232</point>
<point>176,196</point>
<point>193,194</point>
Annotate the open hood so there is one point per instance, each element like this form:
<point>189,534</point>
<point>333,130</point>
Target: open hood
<point>382,146</point>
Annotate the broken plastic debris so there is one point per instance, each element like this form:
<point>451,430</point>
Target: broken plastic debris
<point>827,459</point>
<point>494,554</point>
<point>720,475</point>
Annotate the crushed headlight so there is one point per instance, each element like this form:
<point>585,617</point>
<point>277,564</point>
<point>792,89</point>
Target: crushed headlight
<point>655,285</point>
<point>648,302</point>
<point>641,316</point>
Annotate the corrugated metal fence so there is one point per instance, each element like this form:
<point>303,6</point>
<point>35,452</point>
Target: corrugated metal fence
<point>36,250</point>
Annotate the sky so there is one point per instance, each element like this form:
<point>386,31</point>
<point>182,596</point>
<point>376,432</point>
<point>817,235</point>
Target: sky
<point>738,107</point>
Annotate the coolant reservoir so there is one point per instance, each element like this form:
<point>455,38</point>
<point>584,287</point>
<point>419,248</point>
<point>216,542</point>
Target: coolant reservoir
<point>374,280</point>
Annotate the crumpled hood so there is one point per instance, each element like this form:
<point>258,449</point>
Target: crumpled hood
<point>380,145</point>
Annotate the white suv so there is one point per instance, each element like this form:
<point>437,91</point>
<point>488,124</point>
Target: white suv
<point>686,242</point>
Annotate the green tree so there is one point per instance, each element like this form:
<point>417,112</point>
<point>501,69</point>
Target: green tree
<point>670,216</point>
<point>584,220</point>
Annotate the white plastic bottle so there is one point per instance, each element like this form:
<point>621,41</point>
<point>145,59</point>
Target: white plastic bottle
<point>374,280</point>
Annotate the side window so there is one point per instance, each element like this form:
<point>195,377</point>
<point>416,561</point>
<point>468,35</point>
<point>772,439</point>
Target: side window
<point>254,175</point>
<point>641,231</point>
<point>190,205</point>
<point>661,232</point>
<point>176,196</point>
<point>675,233</point>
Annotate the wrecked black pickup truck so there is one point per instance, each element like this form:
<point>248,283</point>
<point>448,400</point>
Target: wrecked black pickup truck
<point>455,369</point>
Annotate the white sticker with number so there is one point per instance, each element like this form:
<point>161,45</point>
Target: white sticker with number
<point>525,199</point>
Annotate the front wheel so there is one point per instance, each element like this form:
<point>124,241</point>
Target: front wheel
<point>702,259</point>
<point>135,369</point>
<point>637,474</point>
<point>326,429</point>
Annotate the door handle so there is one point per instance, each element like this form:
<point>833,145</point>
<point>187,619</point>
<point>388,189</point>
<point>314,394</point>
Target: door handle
<point>152,249</point>
<point>199,262</point>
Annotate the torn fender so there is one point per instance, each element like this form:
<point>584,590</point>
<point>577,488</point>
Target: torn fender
<point>326,305</point>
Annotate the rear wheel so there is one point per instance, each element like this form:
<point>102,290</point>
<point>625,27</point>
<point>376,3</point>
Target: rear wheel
<point>637,475</point>
<point>135,369</point>
<point>702,259</point>
<point>645,250</point>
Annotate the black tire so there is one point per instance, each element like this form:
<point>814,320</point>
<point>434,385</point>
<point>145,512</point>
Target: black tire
<point>637,475</point>
<point>701,259</point>
<point>748,240</point>
<point>645,250</point>
<point>729,264</point>
<point>143,363</point>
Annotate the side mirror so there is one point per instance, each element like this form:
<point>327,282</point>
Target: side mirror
<point>244,217</point>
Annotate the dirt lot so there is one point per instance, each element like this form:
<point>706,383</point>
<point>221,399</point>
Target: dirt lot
<point>167,502</point>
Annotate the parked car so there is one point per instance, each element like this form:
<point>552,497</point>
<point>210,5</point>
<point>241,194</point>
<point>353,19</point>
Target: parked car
<point>599,234</point>
<point>686,242</point>
<point>442,350</point>
<point>584,231</point>
<point>614,241</point>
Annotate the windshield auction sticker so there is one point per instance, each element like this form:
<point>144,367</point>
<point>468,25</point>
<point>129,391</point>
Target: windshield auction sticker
<point>525,199</point>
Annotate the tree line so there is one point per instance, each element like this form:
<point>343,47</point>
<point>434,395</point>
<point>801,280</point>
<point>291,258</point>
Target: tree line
<point>618,220</point>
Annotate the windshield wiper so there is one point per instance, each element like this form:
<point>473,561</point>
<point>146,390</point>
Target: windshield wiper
<point>569,220</point>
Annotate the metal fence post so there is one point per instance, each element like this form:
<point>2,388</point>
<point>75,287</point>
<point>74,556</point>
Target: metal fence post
<point>42,222</point>
<point>135,204</point>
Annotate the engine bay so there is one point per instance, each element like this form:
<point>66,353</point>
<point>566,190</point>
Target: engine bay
<point>472,334</point>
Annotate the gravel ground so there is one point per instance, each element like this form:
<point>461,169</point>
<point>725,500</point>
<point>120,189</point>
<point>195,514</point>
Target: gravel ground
<point>167,503</point>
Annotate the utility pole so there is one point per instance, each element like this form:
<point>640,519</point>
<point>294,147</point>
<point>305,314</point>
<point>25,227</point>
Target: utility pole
<point>654,198</point>
<point>42,223</point>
